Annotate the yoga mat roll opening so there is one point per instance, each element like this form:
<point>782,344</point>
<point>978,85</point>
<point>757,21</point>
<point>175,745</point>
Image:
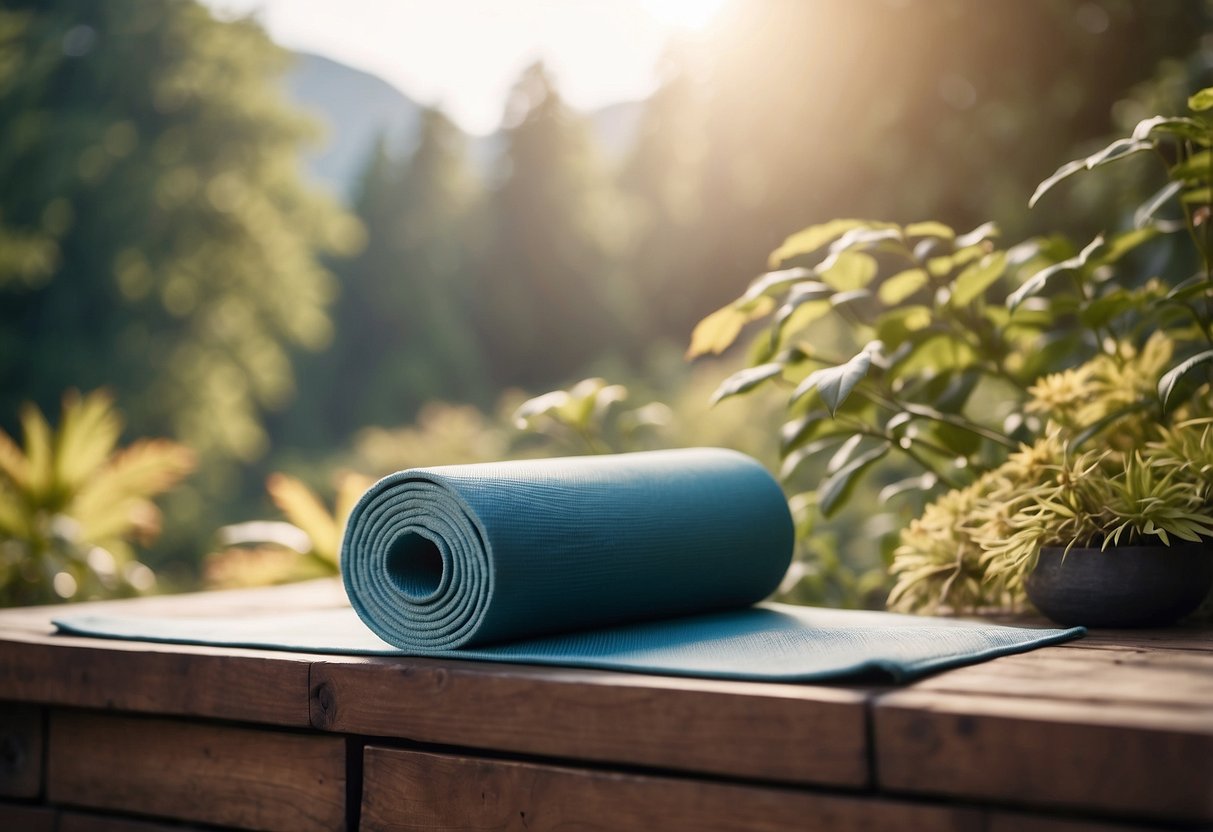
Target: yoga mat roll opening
<point>473,555</point>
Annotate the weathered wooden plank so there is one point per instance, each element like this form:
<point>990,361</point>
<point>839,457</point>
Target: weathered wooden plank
<point>222,683</point>
<point>86,822</point>
<point>216,682</point>
<point>1020,822</point>
<point>1190,636</point>
<point>25,818</point>
<point>22,738</point>
<point>794,733</point>
<point>207,773</point>
<point>1167,678</point>
<point>1130,760</point>
<point>407,790</point>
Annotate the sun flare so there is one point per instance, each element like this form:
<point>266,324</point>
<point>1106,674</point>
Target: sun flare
<point>691,15</point>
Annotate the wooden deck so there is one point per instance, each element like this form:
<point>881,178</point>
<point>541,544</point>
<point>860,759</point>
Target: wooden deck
<point>1114,731</point>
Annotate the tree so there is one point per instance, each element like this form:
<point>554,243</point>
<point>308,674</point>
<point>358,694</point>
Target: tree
<point>168,249</point>
<point>403,330</point>
<point>662,181</point>
<point>952,109</point>
<point>547,302</point>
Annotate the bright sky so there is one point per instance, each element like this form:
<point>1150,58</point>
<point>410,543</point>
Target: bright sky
<point>465,54</point>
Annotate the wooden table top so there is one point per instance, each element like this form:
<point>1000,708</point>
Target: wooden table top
<point>1114,726</point>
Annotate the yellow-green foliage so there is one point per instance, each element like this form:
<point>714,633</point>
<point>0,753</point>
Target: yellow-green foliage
<point>306,545</point>
<point>72,504</point>
<point>1105,472</point>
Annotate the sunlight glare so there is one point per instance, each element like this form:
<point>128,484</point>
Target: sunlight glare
<point>684,14</point>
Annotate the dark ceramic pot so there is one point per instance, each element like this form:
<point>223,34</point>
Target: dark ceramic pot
<point>1124,586</point>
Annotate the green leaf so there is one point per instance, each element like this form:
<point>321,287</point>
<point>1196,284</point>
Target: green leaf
<point>1118,149</point>
<point>834,384</point>
<point>1146,211</point>
<point>1034,284</point>
<point>794,460</point>
<point>898,325</point>
<point>940,266</point>
<point>773,282</point>
<point>1186,128</point>
<point>923,482</point>
<point>859,304</point>
<point>716,333</point>
<point>844,453</point>
<point>793,434</point>
<point>1167,383</point>
<point>957,391</point>
<point>1064,172</point>
<point>983,232</point>
<point>745,380</point>
<point>963,443</point>
<point>835,489</point>
<point>1195,285</point>
<point>814,237</point>
<point>807,302</point>
<point>864,238</point>
<point>1201,101</point>
<point>1197,166</point>
<point>1103,309</point>
<point>851,270</point>
<point>1197,196</point>
<point>978,277</point>
<point>900,286</point>
<point>1121,244</point>
<point>933,351</point>
<point>929,229</point>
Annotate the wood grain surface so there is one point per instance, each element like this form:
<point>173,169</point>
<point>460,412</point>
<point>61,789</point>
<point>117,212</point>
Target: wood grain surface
<point>1113,729</point>
<point>1105,758</point>
<point>208,773</point>
<point>24,818</point>
<point>793,733</point>
<point>407,790</point>
<point>36,665</point>
<point>22,739</point>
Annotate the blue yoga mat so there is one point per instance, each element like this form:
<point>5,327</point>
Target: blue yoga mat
<point>647,562</point>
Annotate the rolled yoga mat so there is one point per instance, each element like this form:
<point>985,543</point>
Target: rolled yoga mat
<point>646,562</point>
<point>472,555</point>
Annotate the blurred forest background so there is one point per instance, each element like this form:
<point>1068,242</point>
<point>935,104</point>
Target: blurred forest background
<point>180,227</point>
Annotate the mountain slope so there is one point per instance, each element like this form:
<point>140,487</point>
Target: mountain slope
<point>354,107</point>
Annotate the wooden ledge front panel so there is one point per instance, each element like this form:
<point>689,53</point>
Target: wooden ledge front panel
<point>786,733</point>
<point>414,791</point>
<point>216,774</point>
<point>15,816</point>
<point>1118,760</point>
<point>22,737</point>
<point>211,682</point>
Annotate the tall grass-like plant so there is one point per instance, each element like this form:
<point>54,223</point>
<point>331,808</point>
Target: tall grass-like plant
<point>73,505</point>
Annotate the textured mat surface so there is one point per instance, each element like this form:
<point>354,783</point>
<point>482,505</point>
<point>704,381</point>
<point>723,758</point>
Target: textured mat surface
<point>644,562</point>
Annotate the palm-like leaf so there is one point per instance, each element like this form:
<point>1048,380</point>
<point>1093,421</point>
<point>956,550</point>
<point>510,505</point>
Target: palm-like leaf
<point>111,501</point>
<point>39,454</point>
<point>304,509</point>
<point>88,434</point>
<point>14,467</point>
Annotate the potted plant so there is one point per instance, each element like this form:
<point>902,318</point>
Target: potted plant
<point>1103,527</point>
<point>1056,397</point>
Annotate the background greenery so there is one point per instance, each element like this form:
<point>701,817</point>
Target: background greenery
<point>158,239</point>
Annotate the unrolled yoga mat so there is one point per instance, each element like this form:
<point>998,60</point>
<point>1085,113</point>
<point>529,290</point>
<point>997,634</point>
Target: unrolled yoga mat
<point>649,562</point>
